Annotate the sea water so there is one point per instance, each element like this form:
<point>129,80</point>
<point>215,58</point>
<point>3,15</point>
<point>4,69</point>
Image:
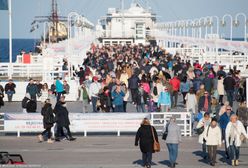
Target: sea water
<point>17,44</point>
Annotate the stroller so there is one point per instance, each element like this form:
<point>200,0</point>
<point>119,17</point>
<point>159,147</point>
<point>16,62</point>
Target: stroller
<point>14,159</point>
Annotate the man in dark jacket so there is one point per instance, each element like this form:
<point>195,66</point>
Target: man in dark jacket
<point>205,103</point>
<point>229,84</point>
<point>133,85</point>
<point>62,117</point>
<point>223,121</point>
<point>32,89</point>
<point>10,89</point>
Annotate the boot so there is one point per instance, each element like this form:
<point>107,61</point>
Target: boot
<point>50,141</point>
<point>40,138</point>
<point>236,162</point>
<point>233,162</point>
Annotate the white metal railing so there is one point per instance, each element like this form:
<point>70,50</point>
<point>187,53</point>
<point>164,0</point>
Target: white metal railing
<point>183,119</point>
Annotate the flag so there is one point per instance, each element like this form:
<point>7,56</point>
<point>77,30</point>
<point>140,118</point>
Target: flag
<point>4,5</point>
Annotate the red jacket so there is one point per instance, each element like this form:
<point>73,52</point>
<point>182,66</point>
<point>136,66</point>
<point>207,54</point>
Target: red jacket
<point>175,82</point>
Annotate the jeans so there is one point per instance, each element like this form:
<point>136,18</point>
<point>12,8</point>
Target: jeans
<point>119,108</point>
<point>204,150</point>
<point>212,149</point>
<point>164,108</point>
<point>10,95</point>
<point>141,107</point>
<point>58,95</point>
<point>48,131</point>
<point>229,94</point>
<point>234,152</point>
<point>147,158</point>
<point>173,151</point>
<point>94,100</point>
<point>174,95</point>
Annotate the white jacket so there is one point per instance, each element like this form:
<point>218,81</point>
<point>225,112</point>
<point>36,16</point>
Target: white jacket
<point>212,135</point>
<point>201,123</point>
<point>238,129</point>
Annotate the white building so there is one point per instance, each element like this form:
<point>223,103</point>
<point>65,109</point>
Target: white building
<point>126,25</point>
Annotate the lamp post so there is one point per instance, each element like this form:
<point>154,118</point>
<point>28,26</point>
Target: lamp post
<point>236,23</point>
<point>217,24</point>
<point>231,24</point>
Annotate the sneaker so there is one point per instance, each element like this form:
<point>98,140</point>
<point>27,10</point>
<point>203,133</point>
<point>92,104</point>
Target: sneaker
<point>233,162</point>
<point>236,162</point>
<point>50,141</point>
<point>72,139</point>
<point>40,138</point>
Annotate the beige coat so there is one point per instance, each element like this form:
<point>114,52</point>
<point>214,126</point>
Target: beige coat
<point>220,87</point>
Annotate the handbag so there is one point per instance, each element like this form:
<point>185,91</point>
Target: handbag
<point>165,134</point>
<point>200,130</point>
<point>156,145</point>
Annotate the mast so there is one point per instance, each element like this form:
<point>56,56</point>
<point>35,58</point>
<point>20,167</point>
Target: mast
<point>122,19</point>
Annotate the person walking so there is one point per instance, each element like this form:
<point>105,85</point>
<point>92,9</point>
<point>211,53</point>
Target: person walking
<point>144,137</point>
<point>235,132</point>
<point>191,101</point>
<point>229,85</point>
<point>242,113</point>
<point>172,141</point>
<point>212,136</point>
<point>59,88</point>
<point>48,121</point>
<point>10,89</point>
<point>223,121</point>
<point>220,89</point>
<point>184,88</point>
<point>62,119</point>
<point>44,93</point>
<point>32,89</point>
<point>175,82</point>
<point>118,96</point>
<point>164,100</point>
<point>203,123</point>
<point>94,90</point>
<point>205,103</point>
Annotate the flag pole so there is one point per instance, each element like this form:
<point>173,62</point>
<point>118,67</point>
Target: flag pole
<point>10,38</point>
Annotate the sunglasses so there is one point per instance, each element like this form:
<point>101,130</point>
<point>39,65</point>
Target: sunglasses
<point>228,109</point>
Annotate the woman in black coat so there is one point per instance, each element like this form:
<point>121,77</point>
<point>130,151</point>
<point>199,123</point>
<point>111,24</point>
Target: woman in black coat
<point>62,119</point>
<point>145,139</point>
<point>48,121</point>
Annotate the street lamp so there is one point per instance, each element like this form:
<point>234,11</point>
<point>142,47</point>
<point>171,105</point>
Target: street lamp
<point>217,24</point>
<point>236,23</point>
<point>223,23</point>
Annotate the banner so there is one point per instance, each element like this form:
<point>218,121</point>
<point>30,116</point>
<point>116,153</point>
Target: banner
<point>97,122</point>
<point>4,5</point>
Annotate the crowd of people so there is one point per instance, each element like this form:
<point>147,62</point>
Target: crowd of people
<point>151,79</point>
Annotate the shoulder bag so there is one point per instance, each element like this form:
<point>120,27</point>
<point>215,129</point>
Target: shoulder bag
<point>156,145</point>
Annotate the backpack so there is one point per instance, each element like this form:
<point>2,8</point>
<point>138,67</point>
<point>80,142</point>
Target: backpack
<point>155,90</point>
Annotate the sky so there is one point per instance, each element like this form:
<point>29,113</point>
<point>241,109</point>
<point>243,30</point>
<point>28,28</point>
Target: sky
<point>167,10</point>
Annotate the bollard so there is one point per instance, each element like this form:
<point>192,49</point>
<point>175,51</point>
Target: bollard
<point>85,133</point>
<point>18,133</point>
